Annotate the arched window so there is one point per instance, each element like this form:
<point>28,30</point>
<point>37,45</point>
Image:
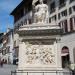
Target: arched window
<point>65,57</point>
<point>65,49</point>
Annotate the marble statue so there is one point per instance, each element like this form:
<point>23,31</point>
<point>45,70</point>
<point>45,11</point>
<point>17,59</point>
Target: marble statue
<point>41,13</point>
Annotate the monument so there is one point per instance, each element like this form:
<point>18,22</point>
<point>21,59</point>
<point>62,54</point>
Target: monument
<point>41,13</point>
<point>39,47</point>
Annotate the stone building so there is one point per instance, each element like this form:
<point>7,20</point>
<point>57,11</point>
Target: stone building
<point>61,13</point>
<point>7,47</point>
<point>1,45</point>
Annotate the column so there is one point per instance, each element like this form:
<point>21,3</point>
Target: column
<point>57,10</point>
<point>58,53</point>
<point>73,23</point>
<point>68,15</point>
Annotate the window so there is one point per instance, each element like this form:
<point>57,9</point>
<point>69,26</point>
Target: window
<point>14,43</point>
<point>70,10</point>
<point>16,51</point>
<point>60,24</point>
<point>53,18</point>
<point>21,23</point>
<point>30,21</point>
<point>29,7</point>
<point>62,3</point>
<point>21,13</point>
<point>65,57</point>
<point>0,51</point>
<point>8,49</point>
<point>52,7</point>
<point>74,20</point>
<point>71,1</point>
<point>25,22</point>
<point>64,26</point>
<point>73,8</point>
<point>49,20</point>
<point>64,13</point>
<point>71,24</point>
<point>59,16</point>
<point>3,52</point>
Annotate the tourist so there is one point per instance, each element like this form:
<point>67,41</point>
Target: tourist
<point>1,63</point>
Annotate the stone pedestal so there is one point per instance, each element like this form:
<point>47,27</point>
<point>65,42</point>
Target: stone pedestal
<point>39,54</point>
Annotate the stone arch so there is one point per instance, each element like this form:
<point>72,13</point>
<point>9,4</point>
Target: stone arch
<point>65,49</point>
<point>65,56</point>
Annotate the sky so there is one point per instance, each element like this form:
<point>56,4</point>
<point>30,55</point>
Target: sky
<point>6,7</point>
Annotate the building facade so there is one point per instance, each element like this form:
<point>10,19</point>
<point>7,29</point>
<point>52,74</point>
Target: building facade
<point>7,47</point>
<point>1,45</point>
<point>62,13</point>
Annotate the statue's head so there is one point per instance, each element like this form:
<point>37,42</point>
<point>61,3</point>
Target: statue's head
<point>41,1</point>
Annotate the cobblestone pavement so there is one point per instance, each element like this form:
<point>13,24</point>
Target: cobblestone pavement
<point>6,69</point>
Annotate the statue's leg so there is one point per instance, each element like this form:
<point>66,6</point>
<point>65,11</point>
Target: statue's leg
<point>43,17</point>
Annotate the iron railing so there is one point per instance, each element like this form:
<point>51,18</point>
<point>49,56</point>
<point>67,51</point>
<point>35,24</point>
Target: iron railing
<point>22,72</point>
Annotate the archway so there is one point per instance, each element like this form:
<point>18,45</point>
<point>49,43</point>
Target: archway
<point>65,57</point>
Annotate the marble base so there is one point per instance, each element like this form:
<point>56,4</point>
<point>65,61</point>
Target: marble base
<point>39,50</point>
<point>39,54</point>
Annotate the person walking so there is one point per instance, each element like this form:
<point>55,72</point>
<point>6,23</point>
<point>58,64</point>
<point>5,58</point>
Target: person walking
<point>1,63</point>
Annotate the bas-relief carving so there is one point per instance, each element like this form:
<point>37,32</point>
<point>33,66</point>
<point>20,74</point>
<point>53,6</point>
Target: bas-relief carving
<point>39,54</point>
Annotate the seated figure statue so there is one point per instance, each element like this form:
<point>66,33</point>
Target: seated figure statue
<point>41,13</point>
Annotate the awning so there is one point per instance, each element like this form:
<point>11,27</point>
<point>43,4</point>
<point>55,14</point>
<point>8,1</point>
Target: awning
<point>64,54</point>
<point>65,50</point>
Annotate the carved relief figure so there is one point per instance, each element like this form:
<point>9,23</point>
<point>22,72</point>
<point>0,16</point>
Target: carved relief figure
<point>41,13</point>
<point>46,55</point>
<point>42,54</point>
